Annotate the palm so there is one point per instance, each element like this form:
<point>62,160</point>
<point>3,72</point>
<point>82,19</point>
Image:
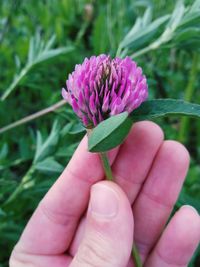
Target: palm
<point>151,173</point>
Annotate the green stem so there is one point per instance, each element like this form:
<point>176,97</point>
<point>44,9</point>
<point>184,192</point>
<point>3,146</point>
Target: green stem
<point>25,183</point>
<point>16,81</point>
<point>189,92</point>
<point>33,116</point>
<point>136,256</point>
<point>106,166</point>
<point>82,32</point>
<point>141,52</point>
<point>108,172</point>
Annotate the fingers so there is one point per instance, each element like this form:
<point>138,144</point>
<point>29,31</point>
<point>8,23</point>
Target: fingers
<point>136,156</point>
<point>178,242</point>
<point>159,194</point>
<point>109,229</point>
<point>27,260</point>
<point>52,226</point>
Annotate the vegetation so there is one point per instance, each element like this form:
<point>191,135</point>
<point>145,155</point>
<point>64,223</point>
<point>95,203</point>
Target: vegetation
<point>40,42</point>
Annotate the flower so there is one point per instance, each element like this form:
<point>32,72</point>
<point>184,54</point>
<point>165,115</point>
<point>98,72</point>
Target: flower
<point>101,87</point>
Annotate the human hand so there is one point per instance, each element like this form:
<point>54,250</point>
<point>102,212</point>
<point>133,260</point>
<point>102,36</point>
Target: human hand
<point>149,174</point>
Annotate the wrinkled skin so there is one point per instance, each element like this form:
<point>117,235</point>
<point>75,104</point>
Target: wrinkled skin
<point>149,174</point>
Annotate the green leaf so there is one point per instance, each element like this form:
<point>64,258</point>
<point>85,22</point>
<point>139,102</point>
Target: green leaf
<point>112,132</point>
<point>67,152</point>
<point>39,51</point>
<point>177,16</point>
<point>109,133</point>
<point>186,199</point>
<point>100,38</point>
<point>77,129</point>
<point>165,107</point>
<point>51,53</point>
<point>141,33</point>
<point>49,165</point>
<point>147,35</point>
<point>187,34</point>
<point>192,16</point>
<point>44,149</point>
<point>4,151</point>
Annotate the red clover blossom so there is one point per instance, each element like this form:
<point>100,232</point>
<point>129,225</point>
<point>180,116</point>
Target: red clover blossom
<point>102,87</point>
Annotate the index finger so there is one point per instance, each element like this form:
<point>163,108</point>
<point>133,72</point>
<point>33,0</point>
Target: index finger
<point>52,226</point>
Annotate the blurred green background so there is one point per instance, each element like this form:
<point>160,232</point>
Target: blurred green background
<point>40,42</point>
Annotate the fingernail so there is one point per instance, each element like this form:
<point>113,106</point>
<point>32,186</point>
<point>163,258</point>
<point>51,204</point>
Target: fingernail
<point>190,207</point>
<point>103,201</point>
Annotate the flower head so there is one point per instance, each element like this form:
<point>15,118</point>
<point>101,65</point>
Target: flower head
<point>101,87</point>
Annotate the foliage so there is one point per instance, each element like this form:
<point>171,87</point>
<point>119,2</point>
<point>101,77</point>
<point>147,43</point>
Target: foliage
<point>163,36</point>
<point>38,52</point>
<point>109,133</point>
<point>112,132</point>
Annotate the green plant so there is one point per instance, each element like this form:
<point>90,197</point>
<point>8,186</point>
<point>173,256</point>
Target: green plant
<point>161,36</point>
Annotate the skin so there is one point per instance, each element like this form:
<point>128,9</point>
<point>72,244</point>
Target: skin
<point>86,221</point>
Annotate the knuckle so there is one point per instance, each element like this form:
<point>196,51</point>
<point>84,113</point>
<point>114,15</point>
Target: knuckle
<point>19,260</point>
<point>13,261</point>
<point>54,216</point>
<point>96,252</point>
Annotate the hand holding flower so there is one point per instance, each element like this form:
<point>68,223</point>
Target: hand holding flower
<point>150,172</point>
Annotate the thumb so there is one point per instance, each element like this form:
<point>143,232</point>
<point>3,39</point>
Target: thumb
<point>108,237</point>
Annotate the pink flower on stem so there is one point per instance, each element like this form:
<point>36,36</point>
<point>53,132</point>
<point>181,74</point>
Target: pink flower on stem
<point>102,87</point>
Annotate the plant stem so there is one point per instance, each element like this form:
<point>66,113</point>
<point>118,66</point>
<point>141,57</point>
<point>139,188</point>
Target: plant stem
<point>108,172</point>
<point>106,166</point>
<point>105,161</point>
<point>16,80</point>
<point>24,183</point>
<point>136,256</point>
<point>32,116</point>
<point>189,92</point>
<point>141,52</point>
<point>82,32</point>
